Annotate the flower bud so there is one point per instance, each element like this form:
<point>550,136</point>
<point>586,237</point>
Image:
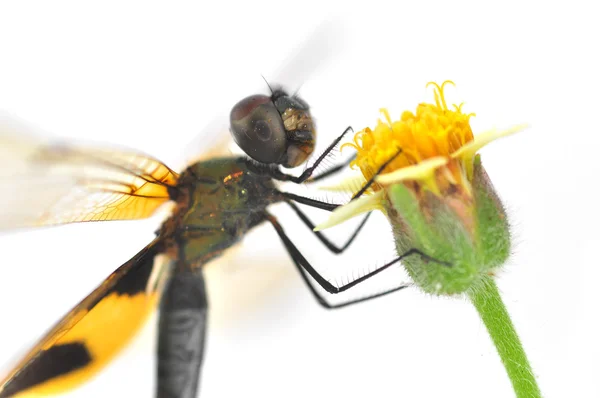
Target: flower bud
<point>435,193</point>
<point>468,233</point>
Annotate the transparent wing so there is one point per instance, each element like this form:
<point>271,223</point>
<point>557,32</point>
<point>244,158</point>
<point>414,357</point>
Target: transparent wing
<point>323,45</point>
<point>46,182</point>
<point>301,62</point>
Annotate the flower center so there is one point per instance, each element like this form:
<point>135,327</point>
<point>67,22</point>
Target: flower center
<point>433,131</point>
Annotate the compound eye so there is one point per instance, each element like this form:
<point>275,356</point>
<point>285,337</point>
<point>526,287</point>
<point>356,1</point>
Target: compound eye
<point>258,129</point>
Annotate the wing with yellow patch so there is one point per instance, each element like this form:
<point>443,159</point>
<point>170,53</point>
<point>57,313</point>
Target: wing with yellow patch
<point>93,332</point>
<point>48,182</point>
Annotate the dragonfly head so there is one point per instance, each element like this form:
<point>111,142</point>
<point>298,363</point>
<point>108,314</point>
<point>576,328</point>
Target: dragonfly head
<point>274,129</point>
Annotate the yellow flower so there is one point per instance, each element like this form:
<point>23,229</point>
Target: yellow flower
<point>435,193</point>
<point>432,131</point>
<point>434,151</point>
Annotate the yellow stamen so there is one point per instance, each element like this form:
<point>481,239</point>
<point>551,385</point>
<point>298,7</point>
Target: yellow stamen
<point>439,93</point>
<point>386,114</point>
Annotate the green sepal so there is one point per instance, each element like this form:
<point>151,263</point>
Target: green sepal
<point>464,255</point>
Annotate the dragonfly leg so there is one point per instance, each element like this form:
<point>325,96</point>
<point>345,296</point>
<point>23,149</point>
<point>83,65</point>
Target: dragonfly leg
<point>309,202</point>
<point>277,174</point>
<point>372,179</point>
<point>330,245</point>
<point>331,206</point>
<point>331,171</point>
<point>304,266</point>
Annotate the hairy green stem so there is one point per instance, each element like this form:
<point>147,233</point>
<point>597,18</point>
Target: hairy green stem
<point>486,299</point>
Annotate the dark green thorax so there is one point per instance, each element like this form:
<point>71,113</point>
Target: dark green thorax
<point>217,202</point>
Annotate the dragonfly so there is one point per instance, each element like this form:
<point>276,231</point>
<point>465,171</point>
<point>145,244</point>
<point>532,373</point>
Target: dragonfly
<point>215,203</point>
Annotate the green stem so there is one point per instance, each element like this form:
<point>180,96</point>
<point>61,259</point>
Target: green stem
<point>486,299</point>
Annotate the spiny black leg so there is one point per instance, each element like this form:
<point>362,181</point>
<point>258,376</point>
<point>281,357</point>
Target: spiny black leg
<point>330,245</point>
<point>309,202</point>
<point>303,265</point>
<point>358,300</point>
<point>281,176</point>
<point>325,304</point>
<point>372,179</point>
<point>331,171</point>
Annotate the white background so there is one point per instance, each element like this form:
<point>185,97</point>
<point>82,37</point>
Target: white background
<point>151,76</point>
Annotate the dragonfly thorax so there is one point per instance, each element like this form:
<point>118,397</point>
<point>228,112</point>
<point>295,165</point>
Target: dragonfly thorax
<point>218,201</point>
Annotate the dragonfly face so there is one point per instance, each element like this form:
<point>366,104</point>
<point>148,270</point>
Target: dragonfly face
<point>277,129</point>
